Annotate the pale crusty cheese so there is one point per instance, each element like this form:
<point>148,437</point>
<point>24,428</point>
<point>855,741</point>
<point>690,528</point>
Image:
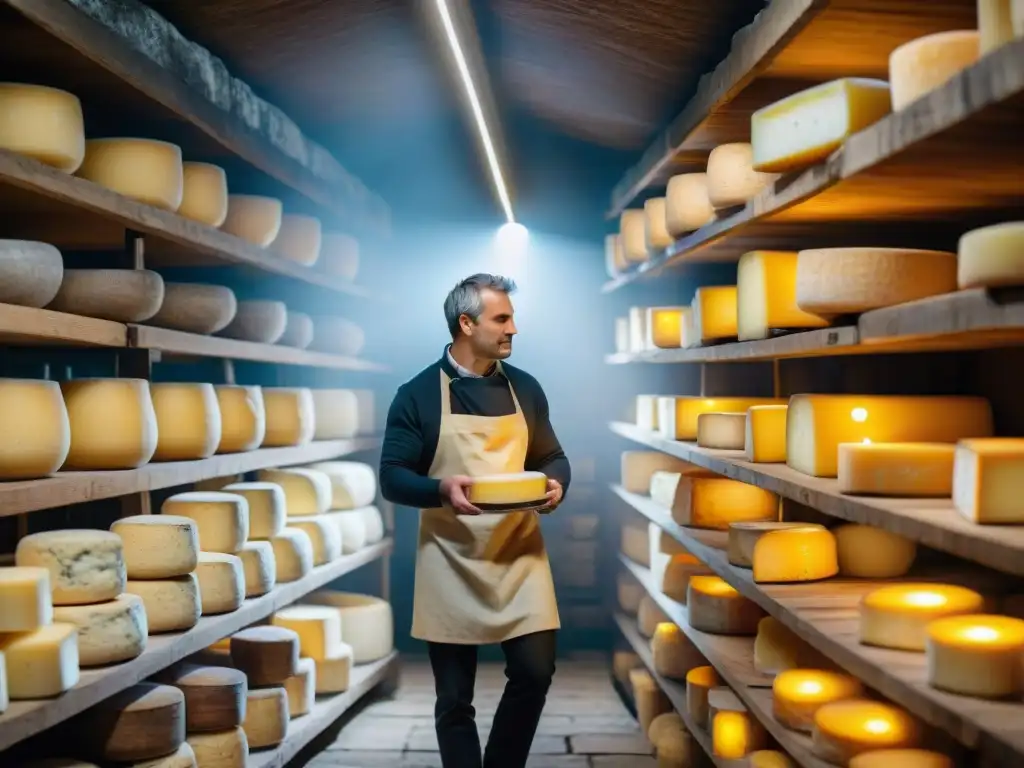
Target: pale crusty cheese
<point>624,662</point>
<point>334,672</point>
<point>37,432</point>
<point>632,235</point>
<point>108,632</point>
<point>86,566</point>
<point>158,546</point>
<point>298,239</point>
<point>920,66</point>
<point>43,123</point>
<point>42,662</point>
<point>637,330</point>
<point>766,295</point>
<point>687,206</point>
<point>649,698</point>
<point>145,170</point>
<point>991,257</point>
<point>259,567</point>
<point>25,596</point>
<point>700,681</point>
<point>254,218</point>
<point>622,335</point>
<point>351,523</point>
<point>119,295</point>
<point>143,722</point>
<point>195,308</point>
<point>367,623</point>
<point>731,177</point>
<point>268,655</point>
<point>630,592</point>
<point>335,414</point>
<point>291,418</point>
<point>306,491</point>
<point>722,431</point>
<point>647,412</point>
<point>225,749</point>
<point>242,416</point>
<point>266,717</point>
<point>222,519</point>
<point>113,424</point>
<point>188,421</point>
<point>182,757</point>
<point>293,554</point>
<point>673,652</point>
<point>204,195</point>
<point>635,542</point>
<point>318,628</point>
<point>31,274</point>
<point>267,507</point>
<point>221,582</point>
<point>258,320</point>
<point>988,481</point>
<point>866,552</point>
<point>896,469</point>
<point>656,235</point>
<point>214,696</point>
<point>172,605</point>
<point>353,483</point>
<point>301,689</point>
<point>340,255</point>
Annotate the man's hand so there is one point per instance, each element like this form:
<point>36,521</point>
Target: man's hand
<point>553,496</point>
<point>454,489</point>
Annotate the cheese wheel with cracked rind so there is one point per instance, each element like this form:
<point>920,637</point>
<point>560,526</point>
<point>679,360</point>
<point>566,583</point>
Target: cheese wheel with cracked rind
<point>40,663</point>
<point>293,554</point>
<point>143,722</point>
<point>119,295</point>
<point>243,418</point>
<point>25,595</point>
<point>298,239</point>
<point>37,430</point>
<point>353,483</point>
<point>267,507</point>
<point>172,605</point>
<point>222,519</point>
<point>306,491</point>
<point>158,546</point>
<point>259,567</point>
<point>86,566</point>
<point>221,582</point>
<point>30,272</point>
<point>214,696</point>
<point>268,655</point>
<point>43,123</point>
<point>259,321</point>
<point>188,421</point>
<point>254,218</point>
<point>204,196</point>
<point>144,170</point>
<point>195,308</point>
<point>367,623</point>
<point>108,632</point>
<point>113,424</point>
<point>290,416</point>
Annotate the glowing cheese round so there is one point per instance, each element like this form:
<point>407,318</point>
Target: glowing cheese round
<point>340,255</point>
<point>845,729</point>
<point>258,320</point>
<point>258,567</point>
<point>797,694</point>
<point>243,419</point>
<point>614,258</point>
<point>86,566</point>
<point>656,236</point>
<point>221,582</point>
<point>195,308</point>
<point>734,732</point>
<point>976,655</point>
<point>108,632</point>
<point>172,605</point>
<point>866,552</point>
<point>224,749</point>
<point>717,608</point>
<point>222,519</point>
<point>290,416</point>
<point>113,424</point>
<point>519,489</point>
<point>253,218</point>
<point>732,179</point>
<point>353,483</point>
<point>665,328</point>
<point>714,313</point>
<point>36,435</point>
<point>367,623</point>
<point>776,648</point>
<point>204,193</point>
<point>120,295</point>
<point>897,616</point>
<point>306,491</point>
<point>41,663</point>
<point>649,615</point>
<point>318,628</point>
<point>687,206</point>
<point>301,689</point>
<point>143,722</point>
<point>769,758</point>
<point>298,239</point>
<point>188,421</point>
<point>922,65</point>
<point>267,507</point>
<point>298,331</point>
<point>30,272</point>
<point>268,655</point>
<point>266,717</point>
<point>293,555</point>
<point>806,553</point>
<point>905,758</point>
<point>673,653</point>
<point>334,672</point>
<point>713,502</point>
<point>145,170</point>
<point>991,257</point>
<point>987,480</point>
<point>42,123</point>
<point>677,418</point>
<point>352,525</point>
<point>896,469</point>
<point>766,295</point>
<point>842,281</point>
<point>323,534</point>
<point>649,699</point>
<point>336,414</point>
<point>338,336</point>
<point>631,235</point>
<point>214,696</point>
<point>722,431</point>
<point>699,683</point>
<point>25,595</point>
<point>744,536</point>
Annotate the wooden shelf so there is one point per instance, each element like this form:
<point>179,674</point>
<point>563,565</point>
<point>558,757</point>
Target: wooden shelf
<point>817,343</point>
<point>30,326</point>
<point>27,718</point>
<point>302,730</point>
<point>932,522</point>
<point>67,488</point>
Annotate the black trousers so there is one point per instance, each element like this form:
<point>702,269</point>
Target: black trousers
<point>529,667</point>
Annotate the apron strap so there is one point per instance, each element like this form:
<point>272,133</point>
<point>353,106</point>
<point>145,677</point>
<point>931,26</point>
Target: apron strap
<point>446,395</point>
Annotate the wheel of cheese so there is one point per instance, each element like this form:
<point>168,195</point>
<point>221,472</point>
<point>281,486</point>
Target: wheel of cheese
<point>120,295</point>
<point>182,757</point>
<point>221,518</point>
<point>195,308</point>
<point>158,546</point>
<point>731,177</point>
<point>717,608</point>
<point>25,596</point>
<point>374,522</point>
<point>323,534</point>
<point>630,592</point>
<point>866,552</point>
<point>40,663</point>
<point>687,206</point>
<point>797,694</point>
<point>700,681</point>
<point>340,255</point>
<point>306,491</point>
<point>36,434</point>
<point>108,632</point>
<point>86,566</point>
<point>318,628</point>
<point>204,193</point>
<point>253,218</point>
<point>290,415</point>
<point>920,66</point>
<point>664,724</point>
<point>188,421</point>
<point>631,235</point>
<point>649,615</point>
<point>352,525</point>
<point>30,272</point>
<point>268,655</point>
<point>223,749</point>
<point>143,169</point>
<point>243,418</point>
<point>259,567</point>
<point>336,414</point>
<point>743,537</point>
<point>508,491</point>
<point>989,257</point>
<point>673,652</point>
<point>353,483</point>
<point>258,321</point>
<point>656,236</point>
<point>214,696</point>
<point>337,336</point>
<point>298,239</point>
<point>293,555</point>
<point>333,673</point>
<point>113,424</point>
<point>649,698</point>
<point>172,605</point>
<point>267,509</point>
<point>266,717</point>
<point>143,722</point>
<point>298,331</point>
<point>221,582</point>
<point>301,689</point>
<point>42,123</point>
<point>367,412</point>
<point>845,729</point>
<point>908,758</point>
<point>367,623</point>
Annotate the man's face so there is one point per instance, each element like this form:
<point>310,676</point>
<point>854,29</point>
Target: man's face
<point>491,336</point>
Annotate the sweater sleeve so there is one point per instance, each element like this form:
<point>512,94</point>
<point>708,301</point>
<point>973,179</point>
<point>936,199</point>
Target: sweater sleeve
<point>401,480</point>
<point>545,453</point>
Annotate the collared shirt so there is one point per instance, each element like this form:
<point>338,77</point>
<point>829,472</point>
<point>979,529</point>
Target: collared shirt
<point>464,372</point>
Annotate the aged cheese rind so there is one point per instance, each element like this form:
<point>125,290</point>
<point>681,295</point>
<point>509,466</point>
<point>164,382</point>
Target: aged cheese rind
<point>195,308</point>
<point>222,519</point>
<point>979,655</point>
<point>253,218</point>
<point>204,195</point>
<point>905,758</point>
<point>142,722</point>
<point>699,683</point>
<point>993,256</point>
<point>722,431</point>
<point>108,632</point>
<point>664,327</point>
<point>656,235</point>
<point>677,416</point>
<point>293,554</point>
<point>897,616</point>
<point>43,123</point>
<point>896,469</point>
<point>847,728</point>
<point>242,416</point>
<point>306,491</point>
<point>631,233</point>
<point>30,272</point>
<point>260,321</point>
<point>290,416</point>
<point>988,480</point>
<point>920,66</point>
<point>298,238</point>
<point>353,483</point>
<point>731,177</point>
<point>649,615</point>
<point>703,501</point>
<point>145,170</point>
<point>743,538</point>
<point>717,608</point>
<point>158,546</point>
<point>224,749</point>
<point>806,553</point>
<point>119,295</point>
<point>512,488</point>
<point>113,424</point>
<point>172,605</point>
<point>301,689</point>
<point>214,696</point>
<point>351,523</point>
<point>866,552</point>
<point>333,673</point>
<point>266,717</point>
<point>797,694</point>
<point>221,582</point>
<point>673,652</point>
<point>86,566</point>
<point>259,567</point>
<point>267,507</point>
<point>268,655</point>
<point>318,628</point>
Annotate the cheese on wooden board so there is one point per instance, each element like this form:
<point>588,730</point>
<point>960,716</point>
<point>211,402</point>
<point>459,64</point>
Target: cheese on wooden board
<point>119,295</point>
<point>214,696</point>
<point>143,722</point>
<point>221,582</point>
<point>629,592</point>
<point>290,415</point>
<point>334,672</point>
<point>649,699</point>
<point>224,749</point>
<point>109,632</point>
<point>649,615</point>
<point>512,489</point>
<point>351,523</point>
<point>242,416</point>
<point>113,424</point>
<point>318,628</point>
<point>25,596</point>
<point>301,689</point>
<point>806,127</point>
<point>638,467</point>
<point>732,179</point>
<point>353,483</point>
<point>722,431</point>
<point>266,717</point>
<point>797,694</point>
<point>674,748</point>
<point>991,257</point>
<point>635,542</point>
<point>259,321</point>
<point>204,195</point>
<point>656,235</point>
<point>374,524</point>
<point>660,542</point>
<point>764,440</point>
<point>614,258</point>
<point>158,546</point>
<point>42,123</point>
<point>817,424</point>
<point>673,652</point>
<point>715,313</point>
<point>336,414</point>
<point>714,502</point>
<point>340,255</point>
<point>306,491</point>
<point>699,683</point>
<point>622,335</point>
<point>766,296</point>
<point>647,412</point>
<point>195,308</point>
<point>920,66</point>
<point>806,553</point>
<point>776,648</point>
<point>734,732</point>
<point>845,729</point>
<point>677,416</point>
<point>182,757</point>
<point>267,510</point>
<point>631,235</point>
<point>188,421</point>
<point>30,272</point>
<point>86,566</point>
<point>769,758</point>
<point>717,608</point>
<point>298,239</point>
<point>664,327</point>
<point>743,537</point>
<point>896,616</point>
<point>905,758</point>
<point>866,552</point>
<point>637,330</point>
<point>267,654</point>
<point>987,480</point>
<point>976,655</point>
<point>222,519</point>
<point>663,725</point>
<point>145,170</point>
<point>42,662</point>
<point>687,206</point>
<point>367,623</point>
<point>298,331</point>
<point>254,218</point>
<point>896,469</point>
<point>172,605</point>
<point>258,567</point>
<point>623,662</point>
<point>293,555</point>
<point>672,573</point>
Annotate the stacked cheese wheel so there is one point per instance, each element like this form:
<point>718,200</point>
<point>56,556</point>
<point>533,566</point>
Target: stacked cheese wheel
<point>353,489</point>
<point>326,658</point>
<point>307,496</point>
<point>215,708</point>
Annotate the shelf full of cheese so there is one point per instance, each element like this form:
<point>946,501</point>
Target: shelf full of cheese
<point>87,613</point>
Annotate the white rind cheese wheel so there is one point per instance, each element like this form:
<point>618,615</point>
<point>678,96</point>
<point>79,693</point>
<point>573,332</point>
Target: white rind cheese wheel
<point>990,257</point>
<point>109,632</point>
<point>920,66</point>
<point>717,608</point>
<point>508,489</point>
<point>221,583</point>
<point>266,717</point>
<point>298,239</point>
<point>36,429</point>
<point>25,596</point>
<point>333,673</point>
<point>897,616</point>
<point>353,483</point>
<point>306,491</point>
<point>301,689</point>
<point>731,177</point>
<point>631,235</point>
<point>30,272</point>
<point>656,236</point>
<point>113,424</point>
<point>259,567</point>
<point>243,419</point>
<point>221,518</point>
<point>158,546</point>
<point>318,628</point>
<point>195,308</point>
<point>298,331</point>
<point>143,722</point>
<point>41,663</point>
<point>987,480</point>
<point>374,523</point>
<point>267,508</point>
<point>204,195</point>
<point>336,414</point>
<point>845,729</point>
<point>673,652</point>
<point>866,552</point>
<point>253,218</point>
<point>259,321</point>
<point>896,469</point>
<point>722,431</point>
<point>145,170</point>
<point>841,281</point>
<point>352,525</point>
<point>766,295</point>
<point>340,255</point>
<point>687,206</point>
<point>649,615</point>
<point>225,749</point>
<point>42,123</point>
<point>172,605</point>
<point>323,534</point>
<point>86,566</point>
<point>614,259</point>
<point>367,623</point>
<point>268,655</point>
<point>805,553</point>
<point>797,694</point>
<point>188,421</point>
<point>290,415</point>
<point>338,336</point>
<point>977,655</point>
<point>120,295</point>
<point>214,696</point>
<point>293,555</point>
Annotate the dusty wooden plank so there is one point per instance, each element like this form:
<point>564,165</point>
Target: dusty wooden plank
<point>964,314</point>
<point>28,325</point>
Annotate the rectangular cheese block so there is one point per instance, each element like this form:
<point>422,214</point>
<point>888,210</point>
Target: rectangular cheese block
<point>25,598</point>
<point>637,329</point>
<point>639,466</point>
<point>715,313</point>
<point>677,416</point>
<point>806,127</point>
<point>766,295</point>
<point>896,469</point>
<point>665,327</point>
<point>988,480</point>
<point>817,424</point>
<point>41,663</point>
<point>647,412</point>
<point>702,501</point>
<point>765,438</point>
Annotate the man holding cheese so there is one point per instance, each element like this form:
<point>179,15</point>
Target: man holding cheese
<point>480,577</point>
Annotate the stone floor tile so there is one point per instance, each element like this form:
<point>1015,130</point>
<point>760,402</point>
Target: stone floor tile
<point>623,761</point>
<point>610,744</point>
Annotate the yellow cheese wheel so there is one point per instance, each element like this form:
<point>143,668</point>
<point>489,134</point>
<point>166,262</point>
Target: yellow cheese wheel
<point>905,758</point>
<point>797,694</point>
<point>42,123</point>
<point>204,193</point>
<point>614,257</point>
<point>221,582</point>
<point>649,615</point>
<point>687,206</point>
<point>143,169</point>
<point>897,616</point>
<point>734,731</point>
<point>623,662</point>
<point>253,218</point>
<point>715,313</point>
<point>188,421</point>
<point>340,255</point>
<point>732,179</point>
<point>673,652</point>
<point>766,294</point>
<point>656,235</point>
<point>631,234</point>
<point>649,699</point>
<point>764,441</point>
<point>508,491</point>
<point>290,415</point>
<point>293,555</point>
<point>334,672</point>
<point>700,681</point>
<point>744,536</point>
<point>991,257</point>
<point>30,272</point>
<point>143,722</point>
<point>976,655</point>
<point>306,491</point>
<point>223,749</point>
<point>267,507</point>
<point>242,416</point>
<point>722,431</point>
<point>769,758</point>
<point>172,605</point>
<point>324,535</point>
<point>896,469</point>
<point>86,566</point>
<point>222,519</point>
<point>36,435</point>
<point>301,689</point>
<point>266,717</point>
<point>703,501</point>
<point>776,648</point>
<point>845,729</point>
<point>195,308</point>
<point>113,424</point>
<point>257,320</point>
<point>298,239</point>
<point>677,416</point>
<point>630,592</point>
<point>805,553</point>
<point>268,655</point>
<point>866,552</point>
<point>920,66</point>
<point>717,608</point>
<point>367,623</point>
<point>25,596</point>
<point>663,725</point>
<point>259,567</point>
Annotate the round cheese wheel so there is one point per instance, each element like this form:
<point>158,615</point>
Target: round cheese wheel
<point>353,483</point>
<point>172,605</point>
<point>336,414</point>
<point>338,336</point>
<point>268,655</point>
<point>687,206</point>
<point>293,555</point>
<point>290,414</point>
<point>267,508</point>
<point>335,670</point>
<point>109,632</point>
<point>121,295</point>
<point>910,758</point>
<point>374,523</point>
<point>113,424</point>
<point>717,608</point>
<point>508,490</point>
<point>614,257</point>
<point>223,749</point>
<point>367,422</point>
<point>298,331</point>
<point>629,592</point>
<point>182,757</point>
<point>649,698</point>
<point>259,567</point>
<point>36,436</point>
<point>143,169</point>
<point>845,729</point>
<point>664,724</point>
<point>158,546</point>
<point>86,566</point>
<point>921,65</point>
<point>673,652</point>
<point>253,218</point>
<point>30,272</point>
<point>323,534</point>
<point>188,421</point>
<point>631,235</point>
<point>700,681</point>
<point>221,582</point>
<point>352,525</point>
<point>340,255</point>
<point>195,308</point>
<point>42,123</point>
<point>222,518</point>
<point>367,623</point>
<point>656,236</point>
<point>243,418</point>
<point>214,696</point>
<point>306,491</point>
<point>731,177</point>
<point>298,239</point>
<point>266,717</point>
<point>866,552</point>
<point>988,257</point>
<point>649,615</point>
<point>143,722</point>
<point>301,689</point>
<point>743,538</point>
<point>217,483</point>
<point>204,193</point>
<point>259,321</point>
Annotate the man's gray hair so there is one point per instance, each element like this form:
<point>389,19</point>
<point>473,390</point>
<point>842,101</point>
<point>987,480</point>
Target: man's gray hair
<point>464,298</point>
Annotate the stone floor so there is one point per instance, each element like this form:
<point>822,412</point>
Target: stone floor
<point>584,725</point>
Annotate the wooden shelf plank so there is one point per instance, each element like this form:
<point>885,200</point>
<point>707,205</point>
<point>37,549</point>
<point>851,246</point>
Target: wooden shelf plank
<point>302,730</point>
<point>932,522</point>
<point>27,718</point>
<point>28,325</point>
<point>67,488</point>
<point>816,343</point>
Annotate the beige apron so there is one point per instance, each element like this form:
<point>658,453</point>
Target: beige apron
<point>480,578</point>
